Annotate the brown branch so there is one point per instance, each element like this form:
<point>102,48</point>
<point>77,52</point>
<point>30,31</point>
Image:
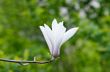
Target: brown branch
<point>24,62</point>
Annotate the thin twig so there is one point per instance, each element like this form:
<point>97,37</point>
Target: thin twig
<point>22,62</point>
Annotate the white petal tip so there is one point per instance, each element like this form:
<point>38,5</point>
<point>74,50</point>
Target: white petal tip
<point>40,27</point>
<point>45,25</point>
<point>76,28</point>
<point>54,21</point>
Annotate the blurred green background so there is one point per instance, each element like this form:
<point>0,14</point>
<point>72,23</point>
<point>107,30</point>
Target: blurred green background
<point>21,38</point>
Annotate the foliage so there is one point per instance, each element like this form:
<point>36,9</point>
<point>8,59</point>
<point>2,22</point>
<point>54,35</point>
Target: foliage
<point>21,38</point>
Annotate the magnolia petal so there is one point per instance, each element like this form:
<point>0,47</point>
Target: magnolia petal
<point>58,30</point>
<point>53,35</point>
<point>62,28</point>
<point>59,33</point>
<point>46,38</point>
<point>50,35</point>
<point>54,24</point>
<point>69,34</point>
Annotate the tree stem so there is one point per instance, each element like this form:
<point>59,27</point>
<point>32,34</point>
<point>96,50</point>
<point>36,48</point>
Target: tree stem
<point>24,62</point>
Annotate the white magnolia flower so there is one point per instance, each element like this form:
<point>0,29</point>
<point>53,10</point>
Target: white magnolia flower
<point>56,36</point>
